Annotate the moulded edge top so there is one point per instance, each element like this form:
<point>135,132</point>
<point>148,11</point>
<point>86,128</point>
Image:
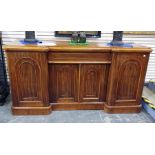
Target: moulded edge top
<point>63,46</point>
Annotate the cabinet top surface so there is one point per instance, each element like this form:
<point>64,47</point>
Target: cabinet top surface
<point>65,46</point>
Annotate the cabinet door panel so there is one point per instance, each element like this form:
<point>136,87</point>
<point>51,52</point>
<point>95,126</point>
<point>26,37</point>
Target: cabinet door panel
<point>93,82</point>
<point>63,83</point>
<point>127,78</point>
<point>29,78</point>
<point>128,82</point>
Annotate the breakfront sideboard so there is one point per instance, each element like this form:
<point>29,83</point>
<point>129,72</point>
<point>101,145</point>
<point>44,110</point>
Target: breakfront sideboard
<point>64,77</point>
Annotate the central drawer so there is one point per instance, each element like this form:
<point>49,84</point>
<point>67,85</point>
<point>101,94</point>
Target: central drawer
<point>61,57</point>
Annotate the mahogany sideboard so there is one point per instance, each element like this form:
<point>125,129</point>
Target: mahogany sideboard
<point>66,77</point>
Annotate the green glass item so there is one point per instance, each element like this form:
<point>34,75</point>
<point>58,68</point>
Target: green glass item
<point>75,44</point>
<point>75,37</point>
<point>82,37</point>
<point>78,38</point>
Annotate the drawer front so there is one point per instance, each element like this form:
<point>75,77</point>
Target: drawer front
<point>79,57</point>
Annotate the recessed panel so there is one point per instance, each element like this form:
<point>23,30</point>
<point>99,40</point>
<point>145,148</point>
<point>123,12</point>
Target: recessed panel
<point>94,79</point>
<point>63,83</point>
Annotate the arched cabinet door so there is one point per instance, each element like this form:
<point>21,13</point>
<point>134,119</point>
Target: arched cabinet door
<point>29,78</point>
<point>127,78</point>
<point>63,83</point>
<point>93,82</point>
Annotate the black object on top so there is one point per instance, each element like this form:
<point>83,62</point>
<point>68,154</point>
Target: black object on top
<point>117,38</point>
<point>30,37</point>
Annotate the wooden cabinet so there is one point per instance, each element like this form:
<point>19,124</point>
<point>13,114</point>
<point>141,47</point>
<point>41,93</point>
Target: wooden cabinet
<point>78,80</point>
<point>29,81</point>
<point>63,77</point>
<point>127,81</point>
